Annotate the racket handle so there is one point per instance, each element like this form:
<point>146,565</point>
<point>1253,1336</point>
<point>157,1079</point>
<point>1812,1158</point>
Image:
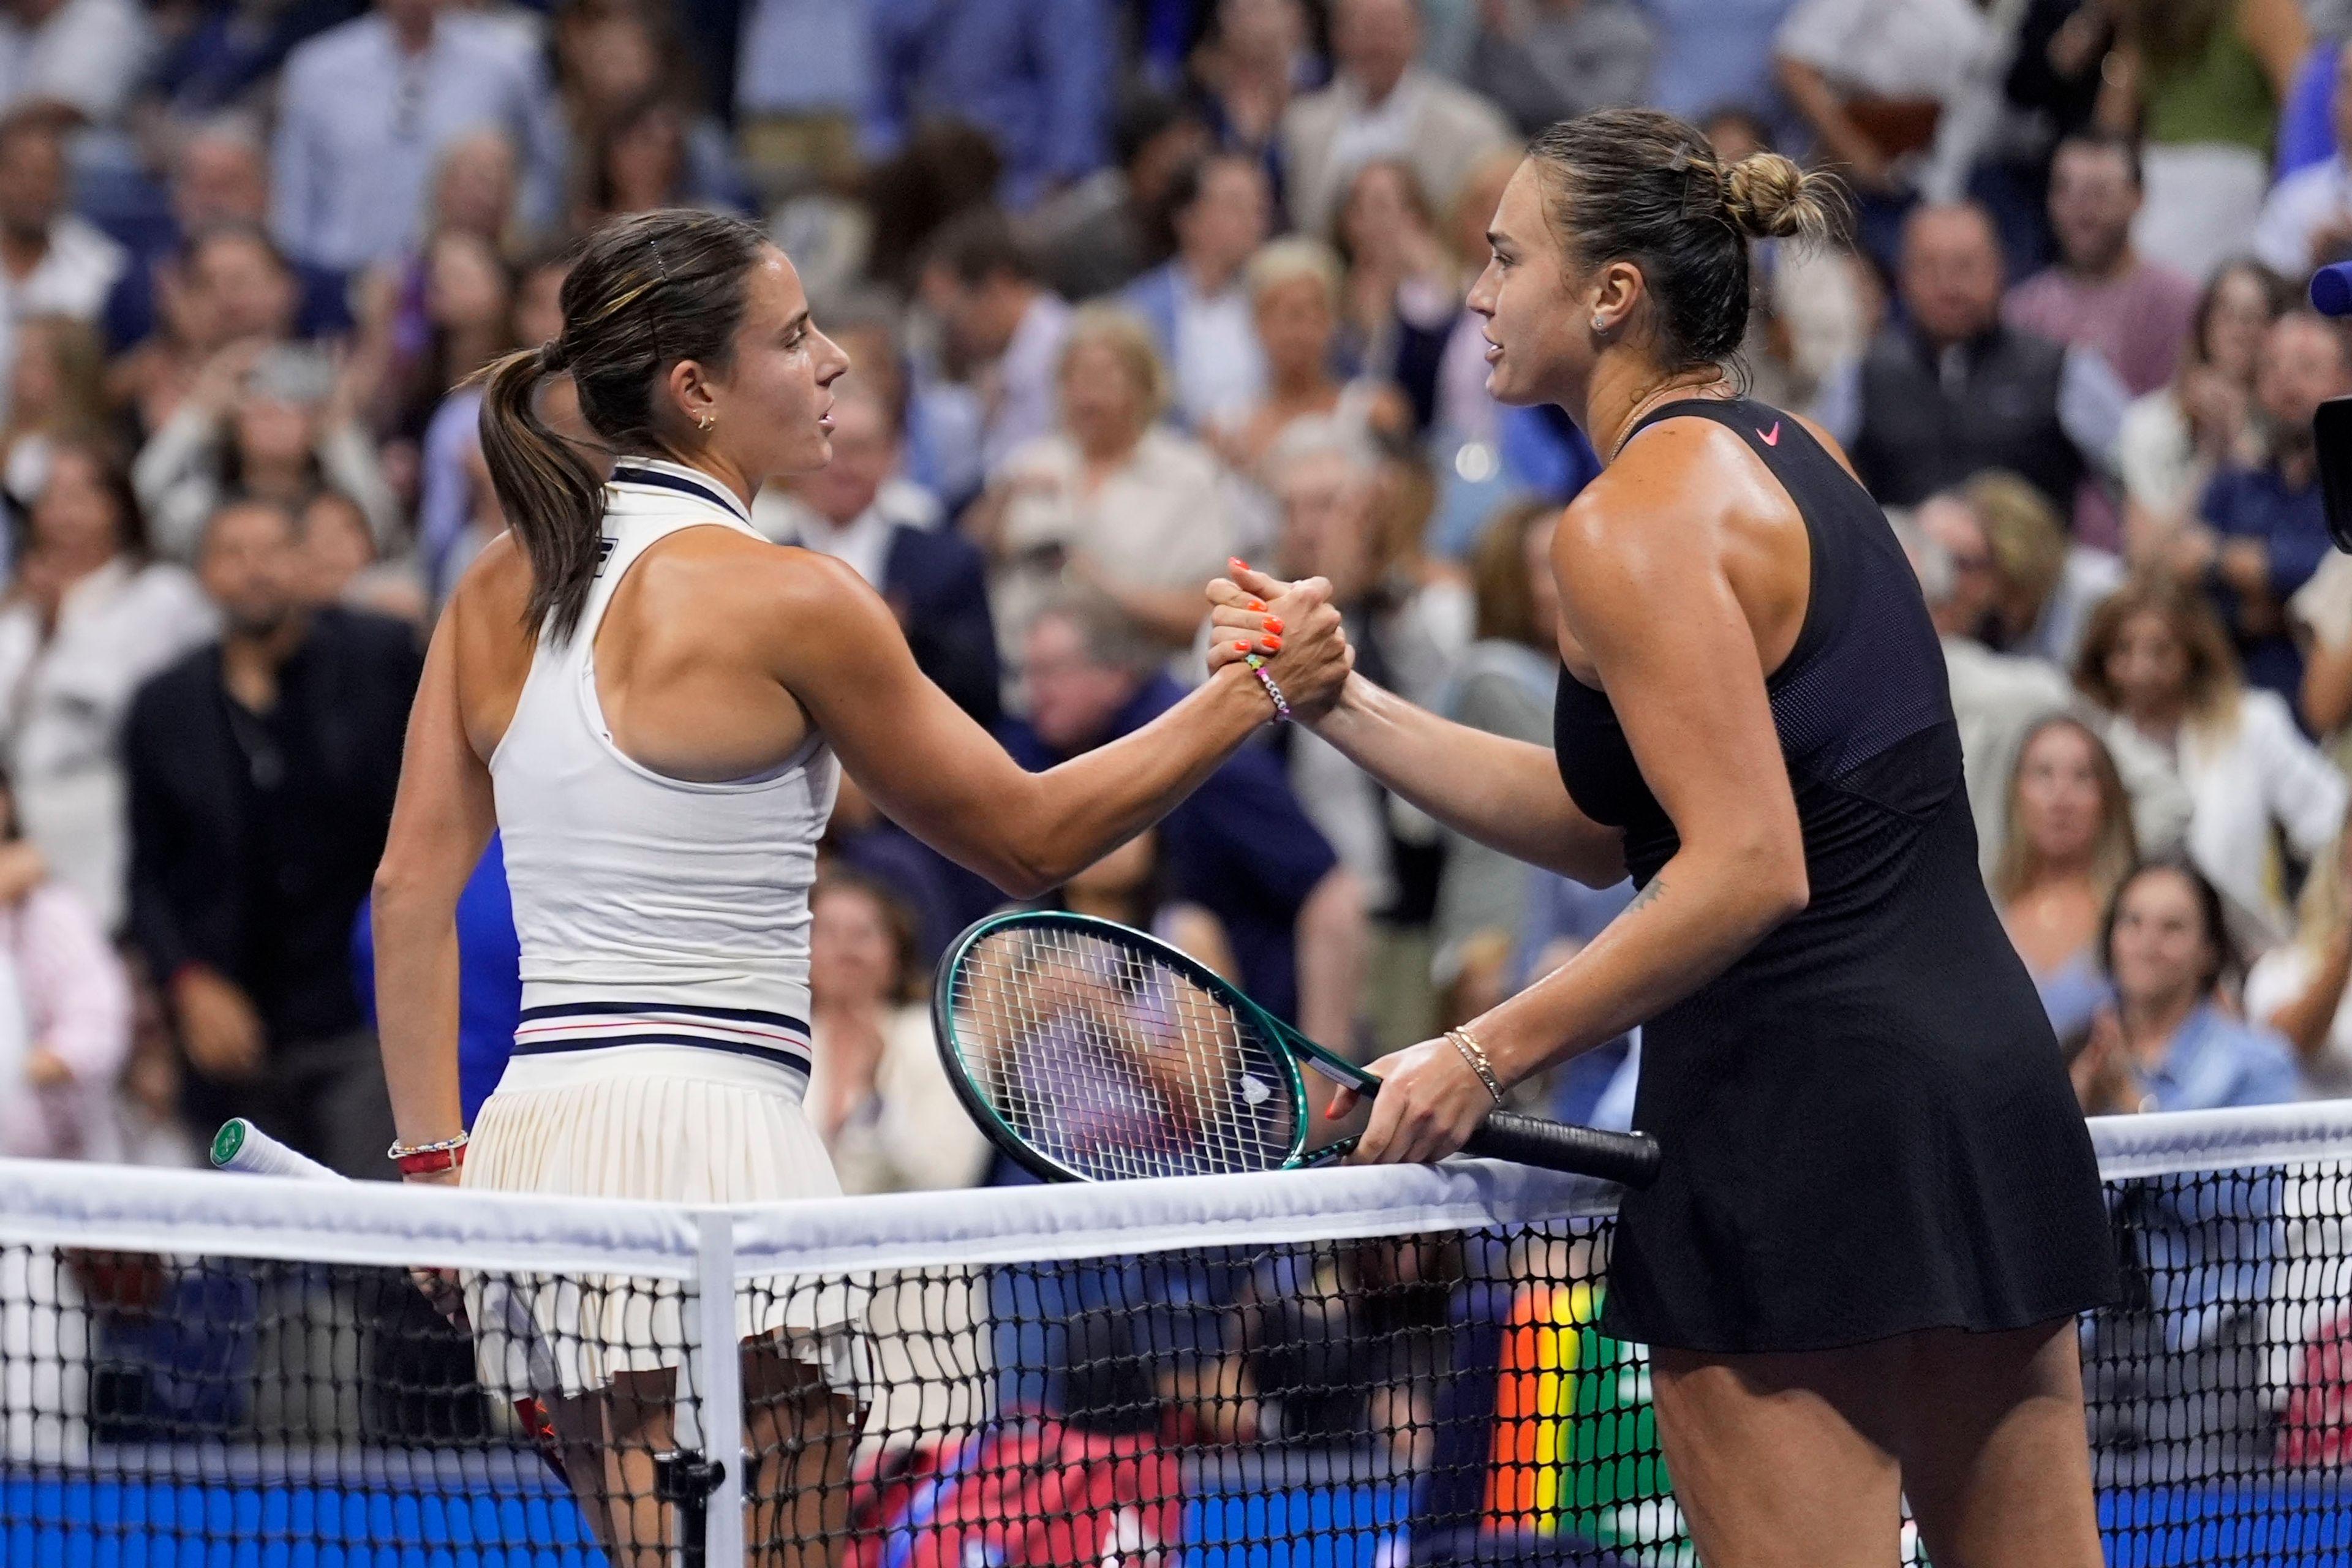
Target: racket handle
<point>1630,1158</point>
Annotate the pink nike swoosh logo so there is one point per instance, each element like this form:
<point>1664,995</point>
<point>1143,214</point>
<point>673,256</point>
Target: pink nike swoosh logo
<point>1770,438</point>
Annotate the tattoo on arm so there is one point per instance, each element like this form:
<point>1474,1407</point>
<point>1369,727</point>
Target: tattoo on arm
<point>1647,896</point>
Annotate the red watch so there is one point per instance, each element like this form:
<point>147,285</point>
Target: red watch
<point>429,1158</point>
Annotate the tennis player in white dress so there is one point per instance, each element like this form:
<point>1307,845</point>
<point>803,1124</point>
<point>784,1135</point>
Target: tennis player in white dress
<point>654,704</point>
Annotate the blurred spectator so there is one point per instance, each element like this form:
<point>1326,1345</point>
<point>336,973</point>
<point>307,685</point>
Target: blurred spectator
<point>2156,659</point>
<point>1004,335</point>
<point>637,162</point>
<point>2050,94</point>
<point>1196,304</point>
<point>1403,293</point>
<point>341,567</point>
<point>2044,586</point>
<point>2169,1042</point>
<point>2321,613</point>
<point>879,1096</point>
<point>2298,987</point>
<point>2103,295</point>
<point>229,285</point>
<point>1711,52</point>
<point>2068,845</point>
<point>1257,58</point>
<point>57,392</point>
<point>2264,529</point>
<point>56,263</point>
<point>944,171</point>
<point>936,582</point>
<point>1099,235</point>
<point>1113,500</point>
<point>2307,218</point>
<point>271,421</point>
<point>452,439</point>
<point>1462,411</point>
<point>466,320</point>
<point>618,60</point>
<point>1033,74</point>
<point>1877,80</point>
<point>1133,886</point>
<point>365,111</point>
<point>1239,846</point>
<point>2174,441</point>
<point>262,771</point>
<point>87,620</point>
<point>2202,81</point>
<point>220,179</point>
<point>1541,60</point>
<point>1348,516</point>
<point>85,56</point>
<point>1998,699</point>
<point>65,1013</point>
<point>1503,683</point>
<point>1953,390</point>
<point>1294,294</point>
<point>1380,105</point>
<point>803,82</point>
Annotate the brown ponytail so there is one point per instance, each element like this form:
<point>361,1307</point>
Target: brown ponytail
<point>645,292</point>
<point>551,499</point>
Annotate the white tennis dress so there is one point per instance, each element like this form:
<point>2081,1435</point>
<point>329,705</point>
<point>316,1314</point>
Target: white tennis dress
<point>664,1047</point>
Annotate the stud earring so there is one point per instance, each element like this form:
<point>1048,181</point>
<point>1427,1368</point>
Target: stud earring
<point>1598,325</point>
<point>707,421</point>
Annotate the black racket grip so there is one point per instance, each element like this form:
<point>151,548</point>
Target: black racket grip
<point>1628,1158</point>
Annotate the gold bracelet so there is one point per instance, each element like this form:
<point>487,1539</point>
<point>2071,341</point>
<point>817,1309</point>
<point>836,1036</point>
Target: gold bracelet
<point>1476,1055</point>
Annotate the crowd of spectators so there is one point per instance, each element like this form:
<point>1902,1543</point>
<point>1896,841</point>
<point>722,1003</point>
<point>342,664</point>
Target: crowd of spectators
<point>1130,287</point>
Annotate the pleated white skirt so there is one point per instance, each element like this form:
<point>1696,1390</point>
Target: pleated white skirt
<point>674,1123</point>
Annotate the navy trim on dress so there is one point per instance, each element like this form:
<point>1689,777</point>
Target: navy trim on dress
<point>629,474</point>
<point>733,1014</point>
<point>796,1060</point>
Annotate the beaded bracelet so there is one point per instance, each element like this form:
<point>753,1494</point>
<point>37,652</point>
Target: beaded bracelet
<point>1281,705</point>
<point>1476,1055</point>
<point>429,1158</point>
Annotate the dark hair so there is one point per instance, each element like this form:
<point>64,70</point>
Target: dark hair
<point>1498,573</point>
<point>1107,635</point>
<point>113,477</point>
<point>2227,960</point>
<point>1192,177</point>
<point>1639,185</point>
<point>245,501</point>
<point>235,228</point>
<point>979,244</point>
<point>897,919</point>
<point>602,196</point>
<point>2092,140</point>
<point>2279,297</point>
<point>647,291</point>
<point>2214,680</point>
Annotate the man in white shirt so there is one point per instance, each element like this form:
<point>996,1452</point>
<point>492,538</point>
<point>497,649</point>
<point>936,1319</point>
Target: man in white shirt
<point>86,54</point>
<point>1380,105</point>
<point>2307,219</point>
<point>55,263</point>
<point>1196,305</point>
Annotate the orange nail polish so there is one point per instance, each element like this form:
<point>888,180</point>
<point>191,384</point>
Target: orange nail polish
<point>1274,645</point>
<point>1241,648</point>
<point>1237,560</point>
<point>1254,604</point>
<point>1274,624</point>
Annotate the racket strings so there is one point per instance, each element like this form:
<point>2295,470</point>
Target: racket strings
<point>1115,1063</point>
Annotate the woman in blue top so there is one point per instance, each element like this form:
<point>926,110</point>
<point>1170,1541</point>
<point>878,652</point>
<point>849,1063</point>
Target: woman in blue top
<point>2165,1044</point>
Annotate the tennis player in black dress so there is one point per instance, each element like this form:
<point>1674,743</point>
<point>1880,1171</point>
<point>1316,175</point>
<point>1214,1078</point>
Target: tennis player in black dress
<point>1879,1211</point>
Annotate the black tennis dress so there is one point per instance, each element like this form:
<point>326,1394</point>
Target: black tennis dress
<point>1868,1125</point>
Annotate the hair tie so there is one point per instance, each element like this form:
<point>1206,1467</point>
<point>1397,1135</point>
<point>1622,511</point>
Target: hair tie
<point>552,357</point>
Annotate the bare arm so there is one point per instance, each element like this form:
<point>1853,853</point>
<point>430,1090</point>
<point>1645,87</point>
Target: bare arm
<point>441,822</point>
<point>2276,32</point>
<point>2328,686</point>
<point>1810,92</point>
<point>1506,794</point>
<point>1689,689</point>
<point>836,647</point>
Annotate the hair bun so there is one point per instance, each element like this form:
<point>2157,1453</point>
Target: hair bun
<point>1770,197</point>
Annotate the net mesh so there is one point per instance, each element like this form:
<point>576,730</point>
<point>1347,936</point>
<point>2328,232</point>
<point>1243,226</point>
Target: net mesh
<point>1326,1369</point>
<point>1113,1064</point>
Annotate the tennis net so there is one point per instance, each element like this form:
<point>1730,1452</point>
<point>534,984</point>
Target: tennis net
<point>1329,1369</point>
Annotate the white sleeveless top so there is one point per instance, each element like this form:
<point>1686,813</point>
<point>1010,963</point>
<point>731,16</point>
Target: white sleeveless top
<point>653,910</point>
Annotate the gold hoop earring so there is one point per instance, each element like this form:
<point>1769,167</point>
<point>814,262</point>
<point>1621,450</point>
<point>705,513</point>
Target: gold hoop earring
<point>707,421</point>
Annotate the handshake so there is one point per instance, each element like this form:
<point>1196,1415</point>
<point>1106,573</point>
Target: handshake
<point>1292,628</point>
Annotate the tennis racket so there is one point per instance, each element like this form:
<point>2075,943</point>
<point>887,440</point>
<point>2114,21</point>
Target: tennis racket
<point>1089,1052</point>
<point>239,1145</point>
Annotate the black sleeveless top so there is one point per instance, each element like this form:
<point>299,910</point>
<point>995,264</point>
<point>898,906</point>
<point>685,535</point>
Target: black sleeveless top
<point>1867,1124</point>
